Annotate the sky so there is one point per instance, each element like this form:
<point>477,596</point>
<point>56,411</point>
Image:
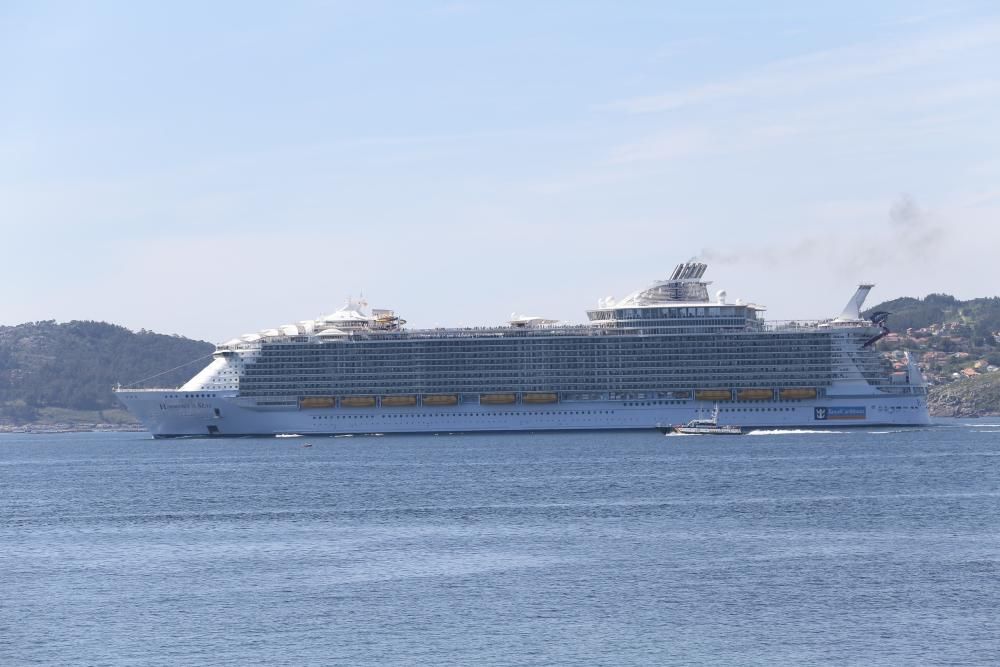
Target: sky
<point>212,169</point>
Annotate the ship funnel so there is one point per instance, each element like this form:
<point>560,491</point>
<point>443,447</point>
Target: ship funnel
<point>852,311</point>
<point>689,271</point>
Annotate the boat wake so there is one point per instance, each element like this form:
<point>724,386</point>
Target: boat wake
<point>788,431</point>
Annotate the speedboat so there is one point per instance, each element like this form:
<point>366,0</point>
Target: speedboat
<point>702,426</point>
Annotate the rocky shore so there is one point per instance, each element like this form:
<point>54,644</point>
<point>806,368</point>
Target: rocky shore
<point>971,397</point>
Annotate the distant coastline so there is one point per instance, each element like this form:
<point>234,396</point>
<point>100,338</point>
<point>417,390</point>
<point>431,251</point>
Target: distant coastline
<point>63,420</point>
<point>57,377</point>
<point>48,429</point>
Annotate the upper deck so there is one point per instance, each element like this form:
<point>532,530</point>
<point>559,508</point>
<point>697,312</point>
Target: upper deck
<point>668,337</point>
<point>679,305</point>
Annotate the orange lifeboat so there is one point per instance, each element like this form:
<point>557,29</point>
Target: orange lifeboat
<point>713,395</point>
<point>539,397</point>
<point>357,401</point>
<point>754,394</point>
<point>439,399</point>
<point>497,399</point>
<point>312,402</point>
<point>797,393</point>
<point>398,401</point>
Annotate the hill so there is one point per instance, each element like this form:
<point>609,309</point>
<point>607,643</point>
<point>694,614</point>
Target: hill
<point>45,366</point>
<point>958,346</point>
<point>976,319</point>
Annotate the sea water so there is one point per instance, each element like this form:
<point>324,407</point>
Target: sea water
<point>863,547</point>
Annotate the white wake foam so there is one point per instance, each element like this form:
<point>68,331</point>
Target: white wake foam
<point>789,431</point>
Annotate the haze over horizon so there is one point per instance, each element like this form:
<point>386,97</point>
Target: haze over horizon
<point>216,169</point>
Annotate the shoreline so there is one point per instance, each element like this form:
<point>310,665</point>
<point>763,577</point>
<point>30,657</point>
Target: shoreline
<point>71,428</point>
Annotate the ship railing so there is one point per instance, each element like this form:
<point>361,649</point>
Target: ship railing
<point>145,389</point>
<point>588,329</point>
<point>568,330</point>
<point>790,325</point>
<point>811,325</point>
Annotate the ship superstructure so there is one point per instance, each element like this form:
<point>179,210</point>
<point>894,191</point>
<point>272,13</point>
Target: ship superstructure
<point>660,355</point>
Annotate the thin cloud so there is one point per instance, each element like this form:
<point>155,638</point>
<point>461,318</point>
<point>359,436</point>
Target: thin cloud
<point>457,8</point>
<point>823,68</point>
<point>701,141</point>
<point>670,146</point>
<point>915,19</point>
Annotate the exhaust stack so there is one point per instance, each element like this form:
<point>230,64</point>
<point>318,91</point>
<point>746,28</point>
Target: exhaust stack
<point>852,311</point>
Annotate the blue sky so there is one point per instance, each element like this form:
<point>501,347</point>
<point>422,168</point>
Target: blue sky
<point>216,168</point>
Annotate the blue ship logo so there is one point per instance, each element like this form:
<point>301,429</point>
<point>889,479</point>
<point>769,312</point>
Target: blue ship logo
<point>840,412</point>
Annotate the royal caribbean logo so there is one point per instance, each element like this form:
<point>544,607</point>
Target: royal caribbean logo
<point>852,412</point>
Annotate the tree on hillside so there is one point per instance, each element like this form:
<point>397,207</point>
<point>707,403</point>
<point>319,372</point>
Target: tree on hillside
<point>76,364</point>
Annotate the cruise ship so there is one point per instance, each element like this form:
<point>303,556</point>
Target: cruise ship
<point>662,355</point>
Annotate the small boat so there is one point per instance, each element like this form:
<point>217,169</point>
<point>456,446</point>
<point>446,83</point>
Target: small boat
<point>357,401</point>
<point>397,401</point>
<point>539,397</point>
<point>307,402</point>
<point>497,399</point>
<point>439,399</point>
<point>702,426</point>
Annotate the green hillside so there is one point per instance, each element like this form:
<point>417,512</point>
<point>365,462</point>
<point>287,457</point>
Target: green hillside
<point>977,319</point>
<point>958,346</point>
<point>74,365</point>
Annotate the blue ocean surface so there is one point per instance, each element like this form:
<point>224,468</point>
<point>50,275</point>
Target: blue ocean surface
<point>860,547</point>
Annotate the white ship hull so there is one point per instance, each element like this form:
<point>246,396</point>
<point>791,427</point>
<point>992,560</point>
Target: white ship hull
<point>166,415</point>
<point>662,355</point>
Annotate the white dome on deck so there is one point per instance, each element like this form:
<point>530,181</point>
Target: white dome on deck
<point>352,311</point>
